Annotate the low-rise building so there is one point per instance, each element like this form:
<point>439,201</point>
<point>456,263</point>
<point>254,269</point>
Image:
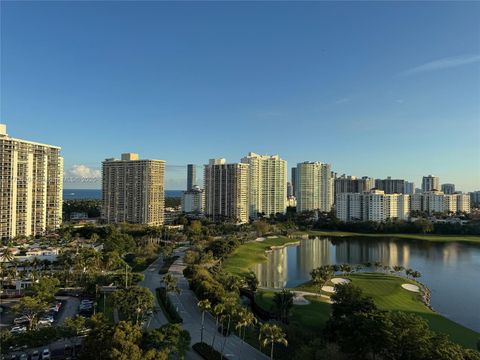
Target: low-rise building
<point>372,205</point>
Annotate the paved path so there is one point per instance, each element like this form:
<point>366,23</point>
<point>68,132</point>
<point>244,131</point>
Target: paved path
<point>152,281</point>
<point>68,310</point>
<point>186,302</point>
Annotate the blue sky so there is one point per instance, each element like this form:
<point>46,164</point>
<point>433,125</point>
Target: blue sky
<point>375,89</point>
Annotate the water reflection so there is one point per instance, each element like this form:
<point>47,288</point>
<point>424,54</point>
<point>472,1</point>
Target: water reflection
<point>446,267</point>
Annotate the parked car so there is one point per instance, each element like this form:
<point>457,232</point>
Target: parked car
<point>20,320</point>
<point>18,329</point>
<point>46,354</point>
<point>23,356</point>
<point>48,318</point>
<point>35,355</point>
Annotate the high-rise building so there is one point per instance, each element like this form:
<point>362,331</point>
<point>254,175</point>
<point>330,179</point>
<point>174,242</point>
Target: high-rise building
<point>31,186</point>
<point>314,186</point>
<point>448,188</point>
<point>226,190</point>
<point>267,184</point>
<point>390,186</point>
<point>193,200</point>
<point>294,180</point>
<point>191,176</point>
<point>289,189</point>
<point>373,205</point>
<point>475,198</point>
<point>352,184</point>
<point>430,183</point>
<point>409,188</point>
<point>463,203</point>
<point>133,190</point>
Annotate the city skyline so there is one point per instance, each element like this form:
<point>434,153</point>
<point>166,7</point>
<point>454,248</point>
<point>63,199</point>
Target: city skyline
<point>162,80</point>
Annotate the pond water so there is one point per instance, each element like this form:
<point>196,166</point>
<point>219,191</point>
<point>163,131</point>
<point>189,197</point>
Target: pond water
<point>450,270</point>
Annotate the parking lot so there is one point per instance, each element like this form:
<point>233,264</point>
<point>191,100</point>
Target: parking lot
<point>62,308</point>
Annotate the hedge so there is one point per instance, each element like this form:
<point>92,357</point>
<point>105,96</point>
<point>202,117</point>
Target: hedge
<point>168,308</point>
<point>207,352</point>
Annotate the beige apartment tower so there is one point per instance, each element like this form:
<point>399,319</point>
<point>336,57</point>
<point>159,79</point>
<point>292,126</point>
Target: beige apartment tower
<point>31,186</point>
<point>314,186</point>
<point>267,184</point>
<point>226,191</point>
<point>133,190</point>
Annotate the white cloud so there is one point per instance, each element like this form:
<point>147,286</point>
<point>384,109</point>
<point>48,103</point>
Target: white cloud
<point>83,171</point>
<point>444,63</point>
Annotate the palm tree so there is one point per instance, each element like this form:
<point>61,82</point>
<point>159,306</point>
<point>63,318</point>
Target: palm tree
<point>217,311</point>
<point>398,269</point>
<point>321,275</point>
<point>230,311</point>
<point>283,302</point>
<point>244,319</point>
<point>170,282</point>
<point>204,305</point>
<point>377,265</point>
<point>415,274</point>
<point>271,334</point>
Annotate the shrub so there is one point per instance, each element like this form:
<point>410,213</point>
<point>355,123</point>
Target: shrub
<point>167,306</point>
<point>207,352</point>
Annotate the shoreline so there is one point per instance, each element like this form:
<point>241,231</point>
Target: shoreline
<point>469,239</point>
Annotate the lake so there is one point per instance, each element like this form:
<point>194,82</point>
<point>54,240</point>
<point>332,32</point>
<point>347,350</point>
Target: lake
<point>450,270</point>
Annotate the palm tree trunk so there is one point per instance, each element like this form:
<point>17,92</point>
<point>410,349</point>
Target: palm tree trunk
<point>203,322</point>
<point>226,334</point>
<point>271,351</point>
<point>215,332</point>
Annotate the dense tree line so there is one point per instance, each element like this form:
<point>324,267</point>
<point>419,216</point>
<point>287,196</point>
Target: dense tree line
<point>126,341</point>
<point>90,206</point>
<point>357,329</point>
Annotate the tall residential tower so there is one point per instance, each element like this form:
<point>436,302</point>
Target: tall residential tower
<point>133,190</point>
<point>31,185</point>
<point>267,184</point>
<point>314,186</point>
<point>191,176</point>
<point>226,190</point>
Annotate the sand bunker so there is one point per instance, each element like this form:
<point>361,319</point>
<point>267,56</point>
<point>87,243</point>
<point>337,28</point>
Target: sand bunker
<point>328,289</point>
<point>340,281</point>
<point>411,287</point>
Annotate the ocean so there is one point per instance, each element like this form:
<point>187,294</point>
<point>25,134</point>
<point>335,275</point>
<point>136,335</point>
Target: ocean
<point>81,194</point>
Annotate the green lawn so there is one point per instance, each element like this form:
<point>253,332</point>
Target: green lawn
<point>252,253</point>
<point>313,316</point>
<point>475,239</point>
<point>388,294</point>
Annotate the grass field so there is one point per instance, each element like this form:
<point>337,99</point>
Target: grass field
<point>474,239</point>
<point>252,253</point>
<point>388,294</point>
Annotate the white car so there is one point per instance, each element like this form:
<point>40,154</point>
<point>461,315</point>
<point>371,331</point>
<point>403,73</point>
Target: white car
<point>44,323</point>
<point>24,357</point>
<point>20,320</point>
<point>18,329</point>
<point>47,318</point>
<point>35,355</point>
<point>45,354</point>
